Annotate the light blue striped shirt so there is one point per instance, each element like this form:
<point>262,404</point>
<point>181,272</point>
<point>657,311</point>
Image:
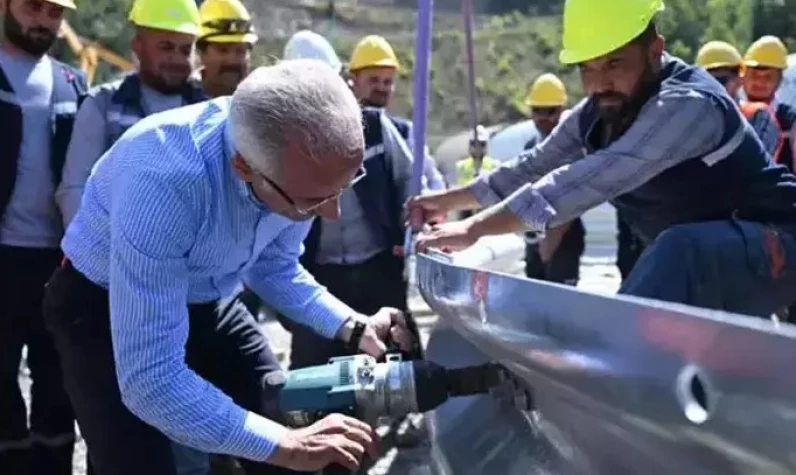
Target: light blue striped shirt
<point>165,222</point>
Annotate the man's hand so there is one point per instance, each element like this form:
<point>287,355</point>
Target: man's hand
<point>433,207</point>
<point>387,322</point>
<point>452,236</point>
<point>335,439</point>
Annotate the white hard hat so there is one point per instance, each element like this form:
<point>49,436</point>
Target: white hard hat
<point>307,44</point>
<point>480,135</point>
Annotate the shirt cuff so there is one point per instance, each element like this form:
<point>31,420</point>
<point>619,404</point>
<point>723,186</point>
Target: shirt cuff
<point>255,438</point>
<point>328,314</point>
<point>532,208</point>
<point>485,195</point>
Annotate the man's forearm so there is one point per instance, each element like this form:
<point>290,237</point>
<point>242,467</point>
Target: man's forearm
<point>460,199</point>
<point>498,219</point>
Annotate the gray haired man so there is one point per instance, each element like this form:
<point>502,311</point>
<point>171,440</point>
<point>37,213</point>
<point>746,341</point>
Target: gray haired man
<point>184,206</point>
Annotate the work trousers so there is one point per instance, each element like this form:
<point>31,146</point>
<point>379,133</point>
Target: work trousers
<point>224,346</point>
<point>564,266</point>
<point>46,445</point>
<point>734,265</point>
<point>366,287</point>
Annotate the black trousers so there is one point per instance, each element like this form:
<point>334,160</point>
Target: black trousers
<point>564,266</point>
<point>366,287</point>
<point>224,346</point>
<point>46,446</point>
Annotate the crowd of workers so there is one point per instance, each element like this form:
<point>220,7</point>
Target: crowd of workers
<point>141,220</point>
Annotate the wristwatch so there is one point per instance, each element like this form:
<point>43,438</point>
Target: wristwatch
<point>352,345</point>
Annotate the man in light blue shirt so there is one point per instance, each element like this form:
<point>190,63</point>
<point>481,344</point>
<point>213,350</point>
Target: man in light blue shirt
<point>38,101</point>
<point>181,208</point>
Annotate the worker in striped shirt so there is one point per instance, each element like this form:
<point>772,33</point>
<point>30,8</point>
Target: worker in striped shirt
<point>185,205</point>
<point>663,142</point>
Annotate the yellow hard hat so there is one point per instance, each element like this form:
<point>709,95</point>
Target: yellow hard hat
<point>547,91</point>
<point>226,21</point>
<point>180,16</point>
<point>718,54</point>
<point>767,52</point>
<point>70,4</point>
<point>372,52</point>
<point>594,28</point>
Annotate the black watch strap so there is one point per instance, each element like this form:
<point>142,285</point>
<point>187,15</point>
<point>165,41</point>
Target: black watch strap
<point>356,336</point>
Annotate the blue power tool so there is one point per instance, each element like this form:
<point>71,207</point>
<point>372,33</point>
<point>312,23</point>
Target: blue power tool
<point>374,392</point>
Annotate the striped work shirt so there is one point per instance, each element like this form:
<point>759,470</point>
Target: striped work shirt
<point>554,182</point>
<point>164,222</point>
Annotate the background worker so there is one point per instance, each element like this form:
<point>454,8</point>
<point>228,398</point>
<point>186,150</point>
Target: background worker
<point>372,71</point>
<point>556,256</point>
<point>764,65</point>
<point>38,101</point>
<point>664,142</point>
<point>477,163</point>
<point>306,44</point>
<point>163,43</point>
<point>355,256</point>
<point>722,61</point>
<point>184,206</point>
<point>224,46</point>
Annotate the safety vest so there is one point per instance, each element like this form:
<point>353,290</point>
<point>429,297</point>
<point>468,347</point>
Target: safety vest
<point>404,127</point>
<point>121,103</point>
<point>466,170</point>
<point>749,109</point>
<point>377,193</point>
<point>69,86</point>
<point>736,180</point>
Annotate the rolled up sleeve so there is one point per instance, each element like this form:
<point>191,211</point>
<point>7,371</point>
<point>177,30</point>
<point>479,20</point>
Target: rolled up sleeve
<point>562,146</point>
<point>672,127</point>
<point>86,146</point>
<point>278,278</point>
<point>154,223</point>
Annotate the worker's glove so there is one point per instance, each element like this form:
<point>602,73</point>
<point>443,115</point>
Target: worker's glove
<point>334,440</point>
<point>388,324</point>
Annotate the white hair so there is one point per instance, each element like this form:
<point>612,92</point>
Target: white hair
<point>304,101</point>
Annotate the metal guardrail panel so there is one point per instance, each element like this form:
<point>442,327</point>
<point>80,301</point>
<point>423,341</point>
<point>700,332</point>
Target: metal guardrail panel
<point>620,385</point>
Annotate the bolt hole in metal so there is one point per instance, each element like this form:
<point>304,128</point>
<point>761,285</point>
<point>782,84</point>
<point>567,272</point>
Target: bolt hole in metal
<point>695,394</point>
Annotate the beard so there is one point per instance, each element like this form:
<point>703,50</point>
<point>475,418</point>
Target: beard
<point>36,41</point>
<point>170,79</point>
<point>615,108</point>
<point>376,99</point>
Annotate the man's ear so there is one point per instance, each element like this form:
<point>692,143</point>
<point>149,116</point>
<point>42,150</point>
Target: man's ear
<point>658,46</point>
<point>242,169</point>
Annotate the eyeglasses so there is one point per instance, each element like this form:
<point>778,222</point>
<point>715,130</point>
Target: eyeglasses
<point>306,210</point>
<point>230,26</point>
